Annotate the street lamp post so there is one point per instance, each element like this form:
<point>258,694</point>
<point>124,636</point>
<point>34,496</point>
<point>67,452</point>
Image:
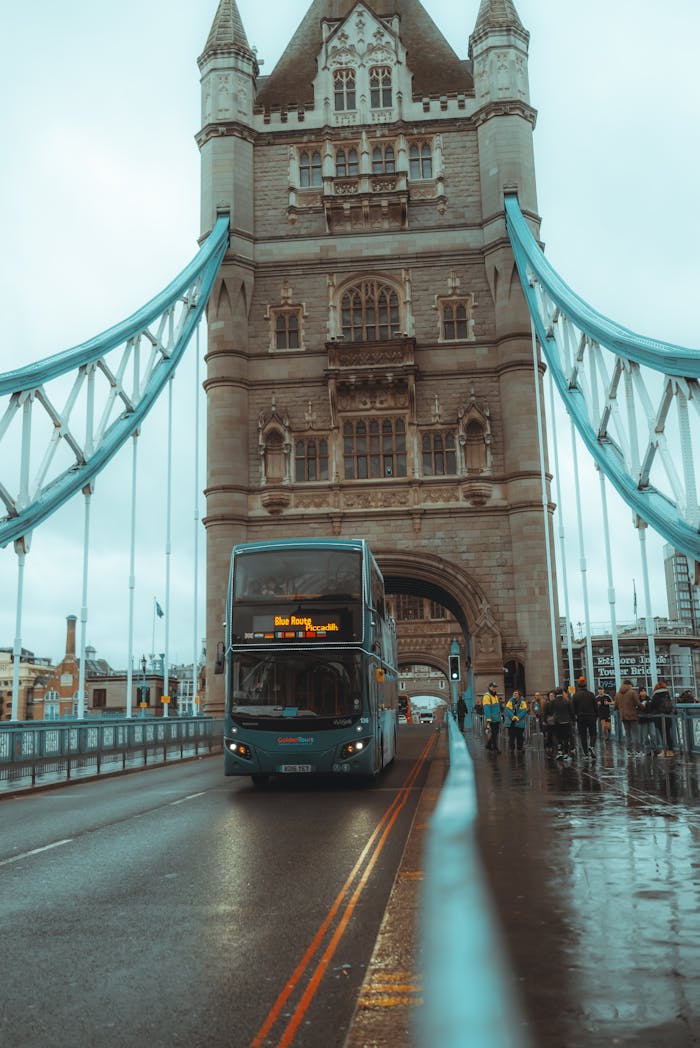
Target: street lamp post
<point>143,687</point>
<point>453,663</point>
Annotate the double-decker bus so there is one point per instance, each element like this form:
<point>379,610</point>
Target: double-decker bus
<point>310,661</point>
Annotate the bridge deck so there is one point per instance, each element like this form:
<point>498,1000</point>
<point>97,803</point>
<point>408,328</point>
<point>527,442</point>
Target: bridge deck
<point>594,870</point>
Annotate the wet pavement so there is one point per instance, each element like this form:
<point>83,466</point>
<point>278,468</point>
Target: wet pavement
<point>594,868</point>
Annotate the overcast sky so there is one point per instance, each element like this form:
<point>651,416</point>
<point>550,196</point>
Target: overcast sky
<point>99,208</point>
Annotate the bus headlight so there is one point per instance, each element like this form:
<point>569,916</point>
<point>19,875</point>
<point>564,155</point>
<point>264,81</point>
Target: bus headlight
<point>240,749</point>
<point>351,749</point>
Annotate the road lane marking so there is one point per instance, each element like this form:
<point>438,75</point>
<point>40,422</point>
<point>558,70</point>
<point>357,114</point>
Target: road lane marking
<point>191,797</point>
<point>370,852</point>
<point>36,851</point>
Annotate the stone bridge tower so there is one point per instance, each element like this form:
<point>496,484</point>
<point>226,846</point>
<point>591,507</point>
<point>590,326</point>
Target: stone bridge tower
<point>370,365</point>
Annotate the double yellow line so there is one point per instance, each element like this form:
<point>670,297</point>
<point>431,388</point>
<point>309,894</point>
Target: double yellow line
<point>337,919</point>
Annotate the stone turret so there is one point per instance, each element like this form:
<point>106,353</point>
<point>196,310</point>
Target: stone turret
<point>498,48</point>
<point>229,71</point>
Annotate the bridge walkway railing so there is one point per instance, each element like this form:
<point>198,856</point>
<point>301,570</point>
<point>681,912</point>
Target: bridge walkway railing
<point>36,753</point>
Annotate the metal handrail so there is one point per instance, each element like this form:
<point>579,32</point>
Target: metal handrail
<point>460,935</point>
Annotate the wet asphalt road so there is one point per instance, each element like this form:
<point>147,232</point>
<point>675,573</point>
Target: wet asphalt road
<point>172,907</point>
<point>595,870</point>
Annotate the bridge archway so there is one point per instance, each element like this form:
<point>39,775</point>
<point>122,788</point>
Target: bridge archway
<point>448,584</point>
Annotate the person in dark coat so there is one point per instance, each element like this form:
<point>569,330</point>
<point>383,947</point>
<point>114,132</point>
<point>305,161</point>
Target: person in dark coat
<point>583,707</point>
<point>603,705</point>
<point>561,709</point>
<point>661,707</point>
<point>461,712</point>
<point>628,704</point>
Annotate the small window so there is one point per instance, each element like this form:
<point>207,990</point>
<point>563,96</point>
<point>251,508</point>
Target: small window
<point>383,160</point>
<point>287,330</point>
<point>344,90</point>
<point>439,454</point>
<point>455,322</point>
<point>420,161</point>
<point>311,459</point>
<point>309,169</point>
<point>380,87</point>
<point>346,163</point>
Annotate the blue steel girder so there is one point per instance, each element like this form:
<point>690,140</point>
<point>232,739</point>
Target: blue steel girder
<point>66,417</point>
<point>635,401</point>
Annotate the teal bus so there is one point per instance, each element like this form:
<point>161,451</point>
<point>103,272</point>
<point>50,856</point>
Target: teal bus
<point>310,661</point>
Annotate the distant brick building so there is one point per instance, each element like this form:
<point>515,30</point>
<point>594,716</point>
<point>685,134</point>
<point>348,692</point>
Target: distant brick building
<point>370,367</point>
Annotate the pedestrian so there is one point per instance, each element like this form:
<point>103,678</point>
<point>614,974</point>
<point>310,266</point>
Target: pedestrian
<point>647,729</point>
<point>492,717</point>
<point>561,708</point>
<point>537,709</point>
<point>583,707</point>
<point>461,712</point>
<point>548,714</point>
<point>516,719</point>
<point>603,704</point>
<point>628,705</point>
<point>661,708</point>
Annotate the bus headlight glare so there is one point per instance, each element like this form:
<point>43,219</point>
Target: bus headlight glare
<point>240,749</point>
<point>351,749</point>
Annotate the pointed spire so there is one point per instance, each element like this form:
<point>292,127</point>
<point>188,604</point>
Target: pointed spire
<point>497,14</point>
<point>227,32</point>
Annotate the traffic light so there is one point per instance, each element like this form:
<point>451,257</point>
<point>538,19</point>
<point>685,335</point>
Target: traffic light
<point>454,667</point>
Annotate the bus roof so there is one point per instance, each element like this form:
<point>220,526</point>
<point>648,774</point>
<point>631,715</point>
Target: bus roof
<point>291,544</point>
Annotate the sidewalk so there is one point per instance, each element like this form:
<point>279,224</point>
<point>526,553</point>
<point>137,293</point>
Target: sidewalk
<point>594,871</point>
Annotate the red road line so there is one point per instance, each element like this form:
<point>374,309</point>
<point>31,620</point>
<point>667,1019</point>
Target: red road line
<point>389,816</point>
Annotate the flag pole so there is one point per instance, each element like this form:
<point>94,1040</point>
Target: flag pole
<point>153,634</point>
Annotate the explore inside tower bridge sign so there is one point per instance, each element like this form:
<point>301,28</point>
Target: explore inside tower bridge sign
<point>632,664</point>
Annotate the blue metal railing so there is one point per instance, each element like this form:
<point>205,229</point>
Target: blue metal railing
<point>47,751</point>
<point>463,963</point>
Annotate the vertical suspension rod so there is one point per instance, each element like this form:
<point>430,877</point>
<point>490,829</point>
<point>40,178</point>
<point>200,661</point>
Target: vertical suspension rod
<point>87,492</point>
<point>168,543</point>
<point>195,637</point>
<point>21,546</point>
<point>582,558</point>
<point>132,579</point>
<point>561,535</point>
<point>545,503</point>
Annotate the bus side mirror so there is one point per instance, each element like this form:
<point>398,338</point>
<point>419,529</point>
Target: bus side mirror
<point>219,660</point>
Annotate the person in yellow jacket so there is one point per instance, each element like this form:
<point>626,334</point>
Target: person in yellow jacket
<point>516,721</point>
<point>492,717</point>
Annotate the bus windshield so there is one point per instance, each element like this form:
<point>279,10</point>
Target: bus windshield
<point>301,574</point>
<point>283,685</point>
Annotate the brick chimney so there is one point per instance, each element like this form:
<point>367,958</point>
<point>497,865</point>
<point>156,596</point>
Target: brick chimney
<point>70,635</point>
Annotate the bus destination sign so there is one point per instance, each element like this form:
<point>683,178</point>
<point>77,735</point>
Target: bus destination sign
<point>293,627</point>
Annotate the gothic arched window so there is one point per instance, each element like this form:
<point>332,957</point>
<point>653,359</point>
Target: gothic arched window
<point>439,454</point>
<point>420,161</point>
<point>344,89</point>
<point>311,459</point>
<point>309,169</point>
<point>380,87</point>
<point>370,312</point>
<point>455,321</point>
<point>346,163</point>
<point>383,160</point>
<point>287,329</point>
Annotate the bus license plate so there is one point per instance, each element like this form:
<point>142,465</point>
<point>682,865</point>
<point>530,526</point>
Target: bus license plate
<point>294,768</point>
